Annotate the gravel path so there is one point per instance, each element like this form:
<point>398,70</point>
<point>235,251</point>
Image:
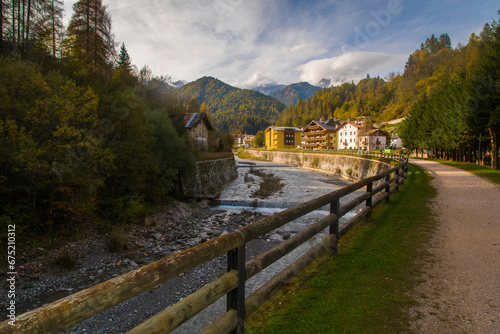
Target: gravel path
<point>460,292</point>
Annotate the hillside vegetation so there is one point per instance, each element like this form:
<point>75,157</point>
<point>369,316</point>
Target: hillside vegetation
<point>450,97</point>
<point>381,99</point>
<point>233,110</point>
<point>84,138</point>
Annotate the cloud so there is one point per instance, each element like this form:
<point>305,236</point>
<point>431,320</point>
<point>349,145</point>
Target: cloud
<point>352,66</point>
<point>247,43</point>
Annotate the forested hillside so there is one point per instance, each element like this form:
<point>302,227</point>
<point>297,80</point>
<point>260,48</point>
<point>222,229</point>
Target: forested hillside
<point>84,137</point>
<point>232,109</point>
<point>458,115</point>
<point>380,98</point>
<point>450,95</point>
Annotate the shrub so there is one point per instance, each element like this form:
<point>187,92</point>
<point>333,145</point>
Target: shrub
<point>118,240</point>
<point>315,162</point>
<point>65,259</point>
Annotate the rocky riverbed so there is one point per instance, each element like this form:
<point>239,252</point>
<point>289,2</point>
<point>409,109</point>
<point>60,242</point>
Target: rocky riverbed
<point>41,279</point>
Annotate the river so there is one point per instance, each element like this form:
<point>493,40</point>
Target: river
<point>236,201</point>
<point>299,186</point>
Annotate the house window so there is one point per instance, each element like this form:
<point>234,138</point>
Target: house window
<point>289,138</point>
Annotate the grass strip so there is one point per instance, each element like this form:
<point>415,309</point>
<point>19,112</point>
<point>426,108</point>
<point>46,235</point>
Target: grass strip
<point>479,170</point>
<point>367,288</point>
<point>202,156</point>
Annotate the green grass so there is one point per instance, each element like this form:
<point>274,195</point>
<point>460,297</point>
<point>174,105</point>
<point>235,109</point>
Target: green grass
<point>482,171</point>
<point>366,288</point>
<point>201,156</point>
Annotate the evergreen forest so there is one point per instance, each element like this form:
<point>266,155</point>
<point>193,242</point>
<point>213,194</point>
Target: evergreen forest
<point>84,135</point>
<point>231,109</point>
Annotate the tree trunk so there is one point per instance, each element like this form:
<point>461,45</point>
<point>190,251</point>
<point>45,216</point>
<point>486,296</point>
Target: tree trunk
<point>23,27</point>
<point>19,21</point>
<point>1,27</point>
<point>495,138</point>
<point>53,14</point>
<point>13,22</point>
<point>28,21</point>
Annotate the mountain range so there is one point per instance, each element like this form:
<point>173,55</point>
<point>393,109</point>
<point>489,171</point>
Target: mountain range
<point>243,110</point>
<point>232,109</point>
<point>291,94</point>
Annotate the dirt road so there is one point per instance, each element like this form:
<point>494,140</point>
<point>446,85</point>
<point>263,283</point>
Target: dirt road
<point>460,292</point>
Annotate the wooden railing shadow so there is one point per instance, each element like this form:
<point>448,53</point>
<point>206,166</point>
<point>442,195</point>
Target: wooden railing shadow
<point>69,311</point>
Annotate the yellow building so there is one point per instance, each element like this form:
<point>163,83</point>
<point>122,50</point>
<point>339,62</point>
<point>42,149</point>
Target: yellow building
<point>283,137</point>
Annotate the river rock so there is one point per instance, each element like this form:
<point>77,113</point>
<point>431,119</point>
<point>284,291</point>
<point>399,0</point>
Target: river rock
<point>283,233</point>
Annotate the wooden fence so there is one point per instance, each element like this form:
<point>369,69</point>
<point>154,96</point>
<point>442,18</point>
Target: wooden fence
<point>69,311</point>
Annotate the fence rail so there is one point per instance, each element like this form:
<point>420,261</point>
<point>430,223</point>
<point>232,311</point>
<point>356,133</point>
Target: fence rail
<point>71,310</point>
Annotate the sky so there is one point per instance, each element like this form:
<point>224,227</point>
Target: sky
<point>248,43</point>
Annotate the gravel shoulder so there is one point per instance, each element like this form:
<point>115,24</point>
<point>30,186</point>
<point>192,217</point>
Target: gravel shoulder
<point>460,289</point>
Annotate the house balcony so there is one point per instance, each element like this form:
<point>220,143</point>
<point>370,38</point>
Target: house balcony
<point>314,133</point>
<point>319,138</point>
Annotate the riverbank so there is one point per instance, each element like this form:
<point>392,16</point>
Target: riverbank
<point>41,279</point>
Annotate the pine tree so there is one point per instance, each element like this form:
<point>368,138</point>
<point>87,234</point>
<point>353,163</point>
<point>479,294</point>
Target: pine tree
<point>445,41</point>
<point>89,34</point>
<point>124,59</point>
<point>487,112</point>
<point>26,25</point>
<point>50,26</point>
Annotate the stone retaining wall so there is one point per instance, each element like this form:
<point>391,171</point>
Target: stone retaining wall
<point>348,167</point>
<point>209,177</point>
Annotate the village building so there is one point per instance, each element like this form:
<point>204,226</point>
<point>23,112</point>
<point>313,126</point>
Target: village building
<point>320,134</point>
<point>347,135</point>
<point>243,140</point>
<point>372,139</point>
<point>396,142</point>
<point>283,137</point>
<point>239,139</point>
<point>198,126</point>
<point>247,141</point>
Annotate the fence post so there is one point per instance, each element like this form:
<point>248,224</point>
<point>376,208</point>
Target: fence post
<point>403,174</point>
<point>369,189</point>
<point>236,297</point>
<point>334,228</point>
<point>397,179</point>
<point>388,187</point>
